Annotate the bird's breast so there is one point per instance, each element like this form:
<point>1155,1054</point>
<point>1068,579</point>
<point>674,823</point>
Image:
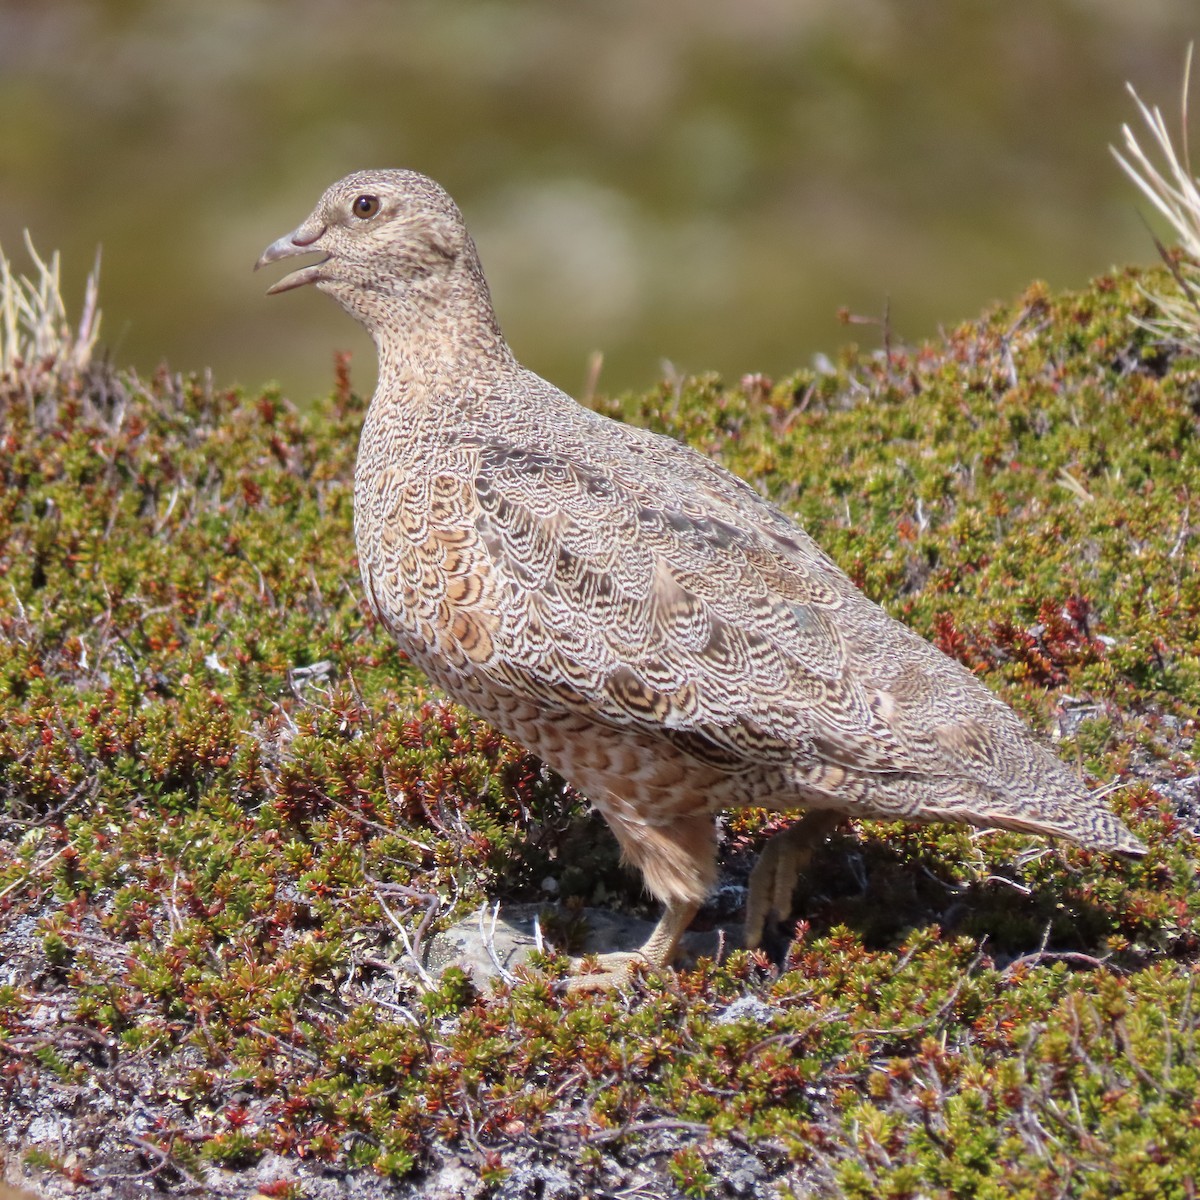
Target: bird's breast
<point>423,565</point>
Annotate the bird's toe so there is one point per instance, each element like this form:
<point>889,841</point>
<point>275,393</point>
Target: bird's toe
<point>604,972</point>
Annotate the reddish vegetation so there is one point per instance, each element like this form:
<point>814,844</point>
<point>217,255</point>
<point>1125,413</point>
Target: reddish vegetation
<point>228,801</point>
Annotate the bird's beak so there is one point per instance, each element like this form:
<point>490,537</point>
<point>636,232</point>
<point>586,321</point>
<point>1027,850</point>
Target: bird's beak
<point>300,241</point>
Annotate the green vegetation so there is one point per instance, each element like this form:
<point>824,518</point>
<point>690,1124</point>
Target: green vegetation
<point>228,802</point>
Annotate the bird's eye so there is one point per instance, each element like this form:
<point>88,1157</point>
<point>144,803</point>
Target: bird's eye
<point>365,207</point>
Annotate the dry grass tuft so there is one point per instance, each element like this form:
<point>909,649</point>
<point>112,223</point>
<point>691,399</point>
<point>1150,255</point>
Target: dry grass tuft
<point>1174,193</point>
<point>33,318</point>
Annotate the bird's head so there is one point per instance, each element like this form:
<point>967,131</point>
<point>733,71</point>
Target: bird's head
<point>394,248</point>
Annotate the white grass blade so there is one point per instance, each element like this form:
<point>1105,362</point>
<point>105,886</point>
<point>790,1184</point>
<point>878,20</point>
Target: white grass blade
<point>35,333</point>
<point>1174,191</point>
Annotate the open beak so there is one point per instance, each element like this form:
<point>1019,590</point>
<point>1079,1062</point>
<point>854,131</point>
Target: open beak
<point>300,241</point>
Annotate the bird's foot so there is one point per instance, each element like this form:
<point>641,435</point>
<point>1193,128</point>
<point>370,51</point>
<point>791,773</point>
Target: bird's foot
<point>604,972</point>
<point>783,860</point>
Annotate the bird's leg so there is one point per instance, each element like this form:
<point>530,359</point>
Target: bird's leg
<point>679,863</point>
<point>783,860</point>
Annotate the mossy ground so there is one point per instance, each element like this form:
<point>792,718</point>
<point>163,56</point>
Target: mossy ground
<point>227,802</point>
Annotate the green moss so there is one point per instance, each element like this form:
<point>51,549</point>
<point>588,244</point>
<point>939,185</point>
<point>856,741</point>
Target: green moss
<point>224,790</point>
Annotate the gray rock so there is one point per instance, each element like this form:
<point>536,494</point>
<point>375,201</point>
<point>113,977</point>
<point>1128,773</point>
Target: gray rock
<point>492,945</point>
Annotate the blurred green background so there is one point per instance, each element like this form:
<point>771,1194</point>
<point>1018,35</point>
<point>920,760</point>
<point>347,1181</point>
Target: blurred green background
<point>705,181</point>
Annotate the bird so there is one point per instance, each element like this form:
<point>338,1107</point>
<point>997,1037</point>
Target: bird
<point>645,622</point>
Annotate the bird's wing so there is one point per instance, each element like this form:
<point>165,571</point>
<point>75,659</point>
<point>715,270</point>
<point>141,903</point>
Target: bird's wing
<point>655,590</point>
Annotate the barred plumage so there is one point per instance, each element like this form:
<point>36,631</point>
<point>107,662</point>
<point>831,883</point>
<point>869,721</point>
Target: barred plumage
<point>644,621</point>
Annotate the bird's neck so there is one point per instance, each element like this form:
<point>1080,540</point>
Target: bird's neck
<point>441,330</point>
